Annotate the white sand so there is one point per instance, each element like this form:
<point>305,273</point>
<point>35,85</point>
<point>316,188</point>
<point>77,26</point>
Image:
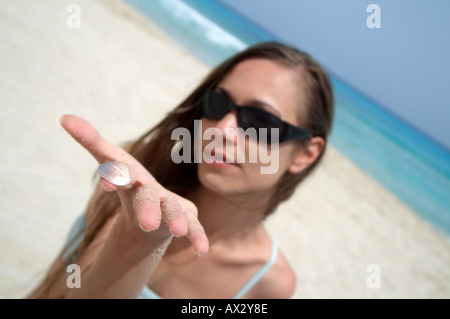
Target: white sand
<point>123,75</point>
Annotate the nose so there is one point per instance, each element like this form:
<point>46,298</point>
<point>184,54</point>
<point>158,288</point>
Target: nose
<point>228,121</point>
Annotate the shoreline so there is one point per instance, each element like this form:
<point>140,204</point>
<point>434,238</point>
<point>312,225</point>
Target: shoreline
<point>123,75</point>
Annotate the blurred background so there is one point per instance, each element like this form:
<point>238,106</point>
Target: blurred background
<point>380,197</point>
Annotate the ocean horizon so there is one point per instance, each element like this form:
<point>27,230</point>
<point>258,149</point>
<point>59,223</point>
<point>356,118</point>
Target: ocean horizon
<point>404,160</point>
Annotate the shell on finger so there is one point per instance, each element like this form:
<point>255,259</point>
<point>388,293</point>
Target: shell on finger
<point>115,172</point>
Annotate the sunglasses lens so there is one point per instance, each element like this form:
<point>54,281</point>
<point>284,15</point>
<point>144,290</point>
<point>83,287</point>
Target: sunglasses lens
<point>250,117</point>
<point>215,106</point>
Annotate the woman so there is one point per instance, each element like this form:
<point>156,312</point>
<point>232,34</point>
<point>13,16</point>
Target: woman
<point>135,239</point>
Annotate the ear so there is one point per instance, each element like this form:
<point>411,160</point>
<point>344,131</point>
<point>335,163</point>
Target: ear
<point>305,156</point>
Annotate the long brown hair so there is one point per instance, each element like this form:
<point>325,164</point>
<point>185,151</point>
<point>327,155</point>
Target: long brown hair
<point>182,178</point>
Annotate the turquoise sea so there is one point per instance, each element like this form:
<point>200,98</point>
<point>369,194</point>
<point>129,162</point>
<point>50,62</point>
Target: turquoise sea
<point>406,162</point>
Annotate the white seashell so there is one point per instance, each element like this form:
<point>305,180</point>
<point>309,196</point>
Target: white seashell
<point>115,172</point>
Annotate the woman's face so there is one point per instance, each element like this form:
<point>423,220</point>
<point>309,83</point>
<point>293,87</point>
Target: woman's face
<point>264,84</point>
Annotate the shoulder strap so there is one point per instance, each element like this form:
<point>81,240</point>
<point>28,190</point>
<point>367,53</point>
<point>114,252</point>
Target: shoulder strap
<point>264,269</point>
<point>74,238</point>
<point>147,293</point>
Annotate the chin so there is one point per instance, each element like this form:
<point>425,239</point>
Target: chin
<point>228,183</point>
<point>220,184</point>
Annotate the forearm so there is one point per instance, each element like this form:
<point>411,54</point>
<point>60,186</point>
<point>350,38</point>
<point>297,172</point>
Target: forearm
<point>123,265</point>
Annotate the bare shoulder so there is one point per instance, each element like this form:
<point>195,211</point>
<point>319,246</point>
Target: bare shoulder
<point>278,283</point>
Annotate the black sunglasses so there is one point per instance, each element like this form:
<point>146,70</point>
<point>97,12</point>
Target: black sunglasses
<point>215,106</point>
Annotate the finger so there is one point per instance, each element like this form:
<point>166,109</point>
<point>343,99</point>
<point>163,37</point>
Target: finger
<point>88,137</point>
<point>196,235</point>
<point>174,216</point>
<point>148,214</point>
<point>146,205</point>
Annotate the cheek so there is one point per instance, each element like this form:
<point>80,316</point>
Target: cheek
<point>255,180</point>
<point>273,159</point>
<point>212,180</point>
<point>272,164</point>
<point>286,156</point>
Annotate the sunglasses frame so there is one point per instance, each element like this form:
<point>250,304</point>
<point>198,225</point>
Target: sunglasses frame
<point>289,131</point>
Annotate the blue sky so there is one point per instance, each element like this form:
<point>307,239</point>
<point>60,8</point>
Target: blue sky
<point>404,66</point>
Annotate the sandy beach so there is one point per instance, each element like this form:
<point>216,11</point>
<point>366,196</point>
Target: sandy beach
<point>123,74</point>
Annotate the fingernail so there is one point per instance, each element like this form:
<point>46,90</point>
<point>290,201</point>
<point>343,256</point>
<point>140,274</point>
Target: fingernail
<point>115,172</point>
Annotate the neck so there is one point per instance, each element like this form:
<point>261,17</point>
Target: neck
<point>229,217</point>
<point>227,221</point>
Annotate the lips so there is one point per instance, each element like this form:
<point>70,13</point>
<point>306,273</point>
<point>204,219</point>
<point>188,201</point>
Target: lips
<point>225,159</point>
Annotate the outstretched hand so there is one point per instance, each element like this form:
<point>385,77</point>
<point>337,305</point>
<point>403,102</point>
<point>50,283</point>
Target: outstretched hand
<point>147,204</point>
